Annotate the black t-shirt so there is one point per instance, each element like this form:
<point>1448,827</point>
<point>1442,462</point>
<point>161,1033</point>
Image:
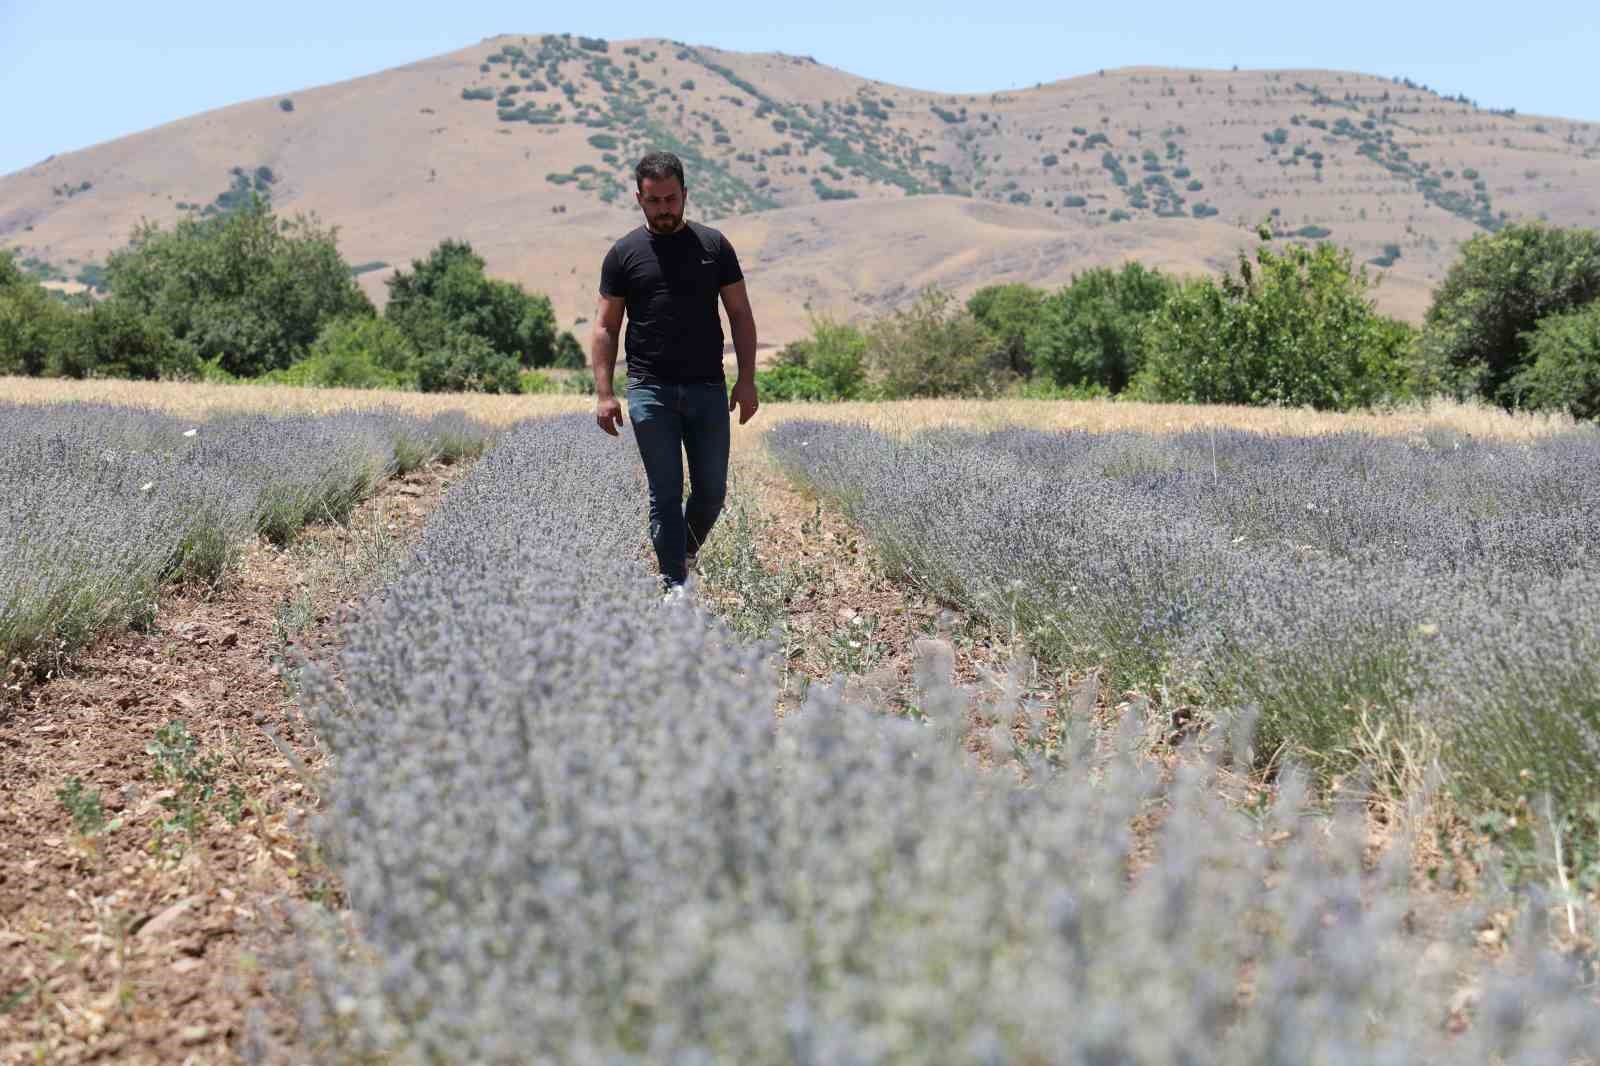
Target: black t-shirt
<point>671,284</point>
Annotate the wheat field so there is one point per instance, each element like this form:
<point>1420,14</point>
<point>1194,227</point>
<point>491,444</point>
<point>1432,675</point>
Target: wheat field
<point>186,398</point>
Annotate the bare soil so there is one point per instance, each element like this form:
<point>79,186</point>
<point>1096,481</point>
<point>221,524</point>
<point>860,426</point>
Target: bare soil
<point>140,942</point>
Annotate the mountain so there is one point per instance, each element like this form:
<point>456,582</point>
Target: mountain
<point>841,194</point>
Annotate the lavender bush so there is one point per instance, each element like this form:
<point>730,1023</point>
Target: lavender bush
<point>100,505</point>
<point>571,831</point>
<point>1315,578</point>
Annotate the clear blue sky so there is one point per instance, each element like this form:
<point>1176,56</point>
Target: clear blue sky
<point>74,74</point>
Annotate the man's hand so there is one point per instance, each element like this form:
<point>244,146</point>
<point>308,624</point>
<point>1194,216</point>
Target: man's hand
<point>608,413</point>
<point>744,395</point>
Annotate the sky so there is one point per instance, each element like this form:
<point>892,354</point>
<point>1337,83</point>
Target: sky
<point>74,75</point>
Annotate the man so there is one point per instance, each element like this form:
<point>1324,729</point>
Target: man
<point>667,275</point>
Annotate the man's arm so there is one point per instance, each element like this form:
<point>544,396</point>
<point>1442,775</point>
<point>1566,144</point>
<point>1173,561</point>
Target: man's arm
<point>603,361</point>
<point>743,322</point>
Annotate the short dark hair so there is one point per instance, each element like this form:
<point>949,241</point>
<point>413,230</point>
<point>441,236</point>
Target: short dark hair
<point>658,166</point>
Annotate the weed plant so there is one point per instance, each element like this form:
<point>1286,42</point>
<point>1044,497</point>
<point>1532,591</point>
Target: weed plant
<point>1446,581</point>
<point>84,807</point>
<point>752,598</point>
<point>570,830</point>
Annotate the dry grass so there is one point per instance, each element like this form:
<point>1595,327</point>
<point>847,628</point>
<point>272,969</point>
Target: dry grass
<point>898,417</point>
<point>186,398</point>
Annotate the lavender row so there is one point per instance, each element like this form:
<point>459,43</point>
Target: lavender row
<point>1319,579</point>
<point>101,505</point>
<point>571,831</point>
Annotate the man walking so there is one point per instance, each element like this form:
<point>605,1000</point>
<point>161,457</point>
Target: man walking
<point>668,275</point>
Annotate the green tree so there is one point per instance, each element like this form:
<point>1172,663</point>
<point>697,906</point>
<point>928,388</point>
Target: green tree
<point>1296,328</point>
<point>935,348</point>
<point>10,273</point>
<point>246,290</point>
<point>465,362</point>
<point>1092,331</point>
<point>35,327</point>
<point>1010,313</point>
<point>569,352</point>
<point>791,381</point>
<point>449,293</point>
<point>357,352</point>
<point>113,338</point>
<point>1563,371</point>
<point>834,359</point>
<point>1477,332</point>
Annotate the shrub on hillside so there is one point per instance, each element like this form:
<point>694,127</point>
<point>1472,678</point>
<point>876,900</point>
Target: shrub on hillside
<point>1563,371</point>
<point>1390,255</point>
<point>935,348</point>
<point>1010,313</point>
<point>246,289</point>
<point>1476,336</point>
<point>449,293</point>
<point>1296,328</point>
<point>1091,332</point>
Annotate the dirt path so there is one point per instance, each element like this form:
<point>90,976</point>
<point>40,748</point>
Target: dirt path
<point>130,928</point>
<point>840,614</point>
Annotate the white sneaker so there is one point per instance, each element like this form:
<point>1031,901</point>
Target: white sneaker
<point>675,594</point>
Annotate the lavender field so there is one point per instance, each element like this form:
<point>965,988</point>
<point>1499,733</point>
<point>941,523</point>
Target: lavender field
<point>570,830</point>
<point>1328,583</point>
<point>101,505</point>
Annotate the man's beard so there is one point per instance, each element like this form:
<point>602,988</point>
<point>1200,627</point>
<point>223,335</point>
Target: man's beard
<point>665,223</point>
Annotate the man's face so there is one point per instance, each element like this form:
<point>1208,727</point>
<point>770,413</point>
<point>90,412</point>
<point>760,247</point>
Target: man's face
<point>661,200</point>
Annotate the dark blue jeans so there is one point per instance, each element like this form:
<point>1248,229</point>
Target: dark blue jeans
<point>670,421</point>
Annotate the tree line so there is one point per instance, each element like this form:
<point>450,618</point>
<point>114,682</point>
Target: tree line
<point>247,295</point>
<point>1516,323</point>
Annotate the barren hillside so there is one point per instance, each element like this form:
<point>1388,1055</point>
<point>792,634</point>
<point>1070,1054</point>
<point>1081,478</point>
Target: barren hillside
<point>841,193</point>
